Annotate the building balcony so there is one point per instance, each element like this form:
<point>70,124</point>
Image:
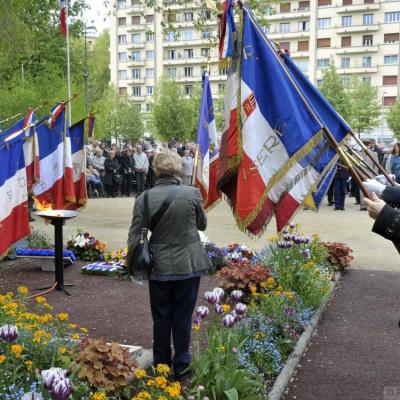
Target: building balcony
<point>358,6</point>
<point>358,69</point>
<point>138,98</point>
<point>136,63</point>
<point>136,81</point>
<point>136,28</point>
<point>172,5</point>
<point>288,35</point>
<point>190,61</point>
<point>134,9</point>
<point>298,13</point>
<point>218,78</point>
<point>186,43</point>
<point>135,46</point>
<point>357,28</point>
<point>357,50</point>
<point>299,54</point>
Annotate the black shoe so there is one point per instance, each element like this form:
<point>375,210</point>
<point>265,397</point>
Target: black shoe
<point>183,376</point>
<point>357,203</point>
<point>363,208</point>
<point>31,219</point>
<point>330,204</point>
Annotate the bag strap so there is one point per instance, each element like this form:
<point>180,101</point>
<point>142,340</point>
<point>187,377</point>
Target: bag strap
<point>145,220</point>
<point>157,217</point>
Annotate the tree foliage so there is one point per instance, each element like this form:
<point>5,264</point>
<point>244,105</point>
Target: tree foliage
<point>393,118</point>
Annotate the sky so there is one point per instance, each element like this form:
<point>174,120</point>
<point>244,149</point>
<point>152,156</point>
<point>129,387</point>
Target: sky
<point>97,15</point>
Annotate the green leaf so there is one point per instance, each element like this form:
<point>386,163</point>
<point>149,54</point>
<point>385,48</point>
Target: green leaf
<point>232,394</point>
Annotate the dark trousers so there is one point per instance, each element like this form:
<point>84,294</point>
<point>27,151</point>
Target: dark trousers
<point>330,192</point>
<point>140,180</point>
<point>340,192</point>
<point>128,178</point>
<point>172,305</point>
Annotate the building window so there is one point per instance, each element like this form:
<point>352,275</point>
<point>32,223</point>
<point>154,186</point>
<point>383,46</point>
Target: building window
<point>284,7</point>
<point>304,26</point>
<point>150,72</point>
<point>302,45</point>
<point>188,90</point>
<point>149,19</point>
<point>346,41</point>
<point>303,65</point>
<point>392,17</point>
<point>221,88</point>
<point>122,21</point>
<point>172,18</point>
<point>389,100</point>
<point>170,37</point>
<point>171,73</point>
<point>136,91</point>
<point>324,3</point>
<point>150,54</point>
<point>284,27</point>
<point>149,37</point>
<point>121,4</point>
<point>122,74</point>
<point>136,73</point>
<point>171,54</point>
<point>368,19</point>
<point>136,3</point>
<point>123,91</point>
<point>322,62</point>
<point>391,60</point>
<point>121,39</point>
<point>122,56</point>
<point>347,2</point>
<point>188,17</point>
<point>188,53</point>
<point>136,38</point>
<point>345,81</point>
<point>285,45</point>
<point>326,42</point>
<point>223,71</point>
<point>366,79</point>
<point>188,72</point>
<point>346,20</point>
<point>148,107</point>
<point>345,62</point>
<point>188,35</point>
<point>369,1</point>
<point>319,82</point>
<point>205,52</point>
<point>304,6</point>
<point>135,20</point>
<point>136,56</point>
<point>368,40</point>
<point>391,38</point>
<point>206,35</point>
<point>150,90</point>
<point>390,80</point>
<point>323,23</point>
<point>367,61</point>
<point>205,14</point>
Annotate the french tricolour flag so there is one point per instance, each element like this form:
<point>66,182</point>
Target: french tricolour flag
<point>63,17</point>
<point>56,184</point>
<point>227,29</point>
<point>14,213</point>
<point>77,136</point>
<point>208,149</point>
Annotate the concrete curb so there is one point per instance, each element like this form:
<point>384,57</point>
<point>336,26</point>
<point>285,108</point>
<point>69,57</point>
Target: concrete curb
<point>282,381</point>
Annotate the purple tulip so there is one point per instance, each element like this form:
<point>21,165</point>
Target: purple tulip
<point>287,237</point>
<point>211,297</point>
<point>292,225</point>
<point>240,308</point>
<point>307,240</point>
<point>228,321</point>
<point>8,333</point>
<point>307,254</point>
<point>220,292</point>
<point>236,295</point>
<point>61,389</point>
<point>219,309</point>
<point>52,376</point>
<point>202,312</point>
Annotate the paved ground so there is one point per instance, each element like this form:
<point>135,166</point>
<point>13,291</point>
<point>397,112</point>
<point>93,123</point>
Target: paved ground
<point>109,220</point>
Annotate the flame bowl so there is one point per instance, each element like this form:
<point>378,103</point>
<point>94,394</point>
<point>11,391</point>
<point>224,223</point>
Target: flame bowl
<point>57,214</point>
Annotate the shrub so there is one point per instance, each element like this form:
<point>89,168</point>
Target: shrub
<point>339,255</point>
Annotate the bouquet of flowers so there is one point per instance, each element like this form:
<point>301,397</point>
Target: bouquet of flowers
<point>117,256</point>
<point>86,246</point>
<point>235,253</point>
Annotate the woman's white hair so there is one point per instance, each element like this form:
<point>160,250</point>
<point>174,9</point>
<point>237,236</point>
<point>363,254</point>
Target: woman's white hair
<point>167,163</point>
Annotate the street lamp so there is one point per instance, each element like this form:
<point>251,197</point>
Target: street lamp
<point>85,69</point>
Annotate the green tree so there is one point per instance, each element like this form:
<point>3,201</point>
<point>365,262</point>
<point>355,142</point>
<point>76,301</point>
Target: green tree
<point>173,115</point>
<point>118,117</point>
<point>333,90</point>
<point>393,118</point>
<point>365,110</point>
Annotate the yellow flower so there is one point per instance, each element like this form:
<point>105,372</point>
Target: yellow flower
<point>273,238</point>
<point>140,373</point>
<point>151,382</point>
<point>289,295</point>
<point>315,236</point>
<point>196,327</point>
<point>23,290</point>
<point>226,307</point>
<point>266,295</point>
<point>259,335</point>
<point>163,369</point>
<point>62,316</point>
<point>144,395</point>
<point>222,348</point>
<point>62,350</point>
<point>75,336</point>
<point>45,318</point>
<point>174,389</point>
<point>84,330</point>
<point>162,398</point>
<point>73,326</point>
<point>2,358</point>
<point>99,396</point>
<point>28,365</point>
<point>256,295</point>
<point>11,306</point>
<point>161,382</point>
<point>40,300</point>
<point>253,289</point>
<point>17,350</point>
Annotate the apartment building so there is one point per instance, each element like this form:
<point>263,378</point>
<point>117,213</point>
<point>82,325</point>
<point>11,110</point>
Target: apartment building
<point>361,36</point>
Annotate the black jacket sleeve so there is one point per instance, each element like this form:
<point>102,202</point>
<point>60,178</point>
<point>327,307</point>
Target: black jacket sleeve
<point>387,224</point>
<point>391,196</point>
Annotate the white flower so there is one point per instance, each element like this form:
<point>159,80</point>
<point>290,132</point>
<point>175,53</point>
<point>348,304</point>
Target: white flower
<point>32,396</point>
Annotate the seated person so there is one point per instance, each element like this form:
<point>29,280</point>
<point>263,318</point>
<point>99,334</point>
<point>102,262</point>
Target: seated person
<point>93,182</point>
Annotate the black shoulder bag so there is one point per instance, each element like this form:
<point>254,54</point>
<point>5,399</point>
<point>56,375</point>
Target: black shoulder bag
<point>142,257</point>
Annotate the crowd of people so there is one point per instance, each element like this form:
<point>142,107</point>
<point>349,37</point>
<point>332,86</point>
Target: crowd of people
<point>112,172</point>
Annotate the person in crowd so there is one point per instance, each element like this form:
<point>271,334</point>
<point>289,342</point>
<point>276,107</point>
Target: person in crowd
<point>127,170</point>
<point>155,148</point>
<point>141,168</point>
<point>179,260</point>
<point>388,158</point>
<point>151,175</point>
<point>93,182</point>
<point>187,168</point>
<point>340,190</point>
<point>395,162</point>
<point>111,178</point>
<point>98,161</point>
<point>376,149</point>
<point>104,151</point>
<point>330,193</point>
